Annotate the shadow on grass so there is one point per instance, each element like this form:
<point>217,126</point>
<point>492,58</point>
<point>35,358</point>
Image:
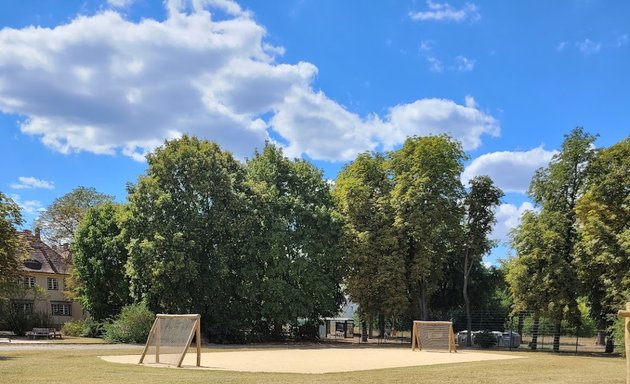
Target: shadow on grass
<point>4,358</point>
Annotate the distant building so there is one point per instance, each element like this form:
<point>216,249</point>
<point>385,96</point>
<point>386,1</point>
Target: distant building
<point>48,270</point>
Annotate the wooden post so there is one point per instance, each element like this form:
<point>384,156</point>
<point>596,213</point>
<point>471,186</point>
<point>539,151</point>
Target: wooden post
<point>626,314</point>
<point>146,346</point>
<point>157,341</point>
<point>198,338</point>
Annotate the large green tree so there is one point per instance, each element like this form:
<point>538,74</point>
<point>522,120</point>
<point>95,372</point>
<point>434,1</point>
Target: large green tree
<point>549,254</point>
<point>299,254</point>
<point>11,245</point>
<point>376,275</point>
<point>187,232</point>
<point>60,220</point>
<point>479,204</point>
<point>426,199</point>
<point>99,257</point>
<point>603,250</point>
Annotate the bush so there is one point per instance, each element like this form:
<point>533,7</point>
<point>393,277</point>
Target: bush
<point>19,321</point>
<point>72,328</point>
<point>83,328</point>
<point>485,339</point>
<point>132,325</point>
<point>619,335</point>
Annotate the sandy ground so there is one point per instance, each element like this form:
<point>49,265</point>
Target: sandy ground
<point>322,360</point>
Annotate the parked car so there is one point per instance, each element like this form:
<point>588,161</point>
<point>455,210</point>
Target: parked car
<point>503,338</point>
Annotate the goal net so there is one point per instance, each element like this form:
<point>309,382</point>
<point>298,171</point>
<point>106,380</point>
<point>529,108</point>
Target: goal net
<point>433,335</point>
<point>170,338</point>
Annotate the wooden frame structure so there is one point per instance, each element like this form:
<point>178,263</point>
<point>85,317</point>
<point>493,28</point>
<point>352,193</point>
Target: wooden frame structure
<point>416,336</point>
<point>155,330</point>
<point>626,315</point>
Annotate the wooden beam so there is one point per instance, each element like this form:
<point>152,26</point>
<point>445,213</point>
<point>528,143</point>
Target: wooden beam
<point>626,315</point>
<point>198,330</point>
<point>146,346</point>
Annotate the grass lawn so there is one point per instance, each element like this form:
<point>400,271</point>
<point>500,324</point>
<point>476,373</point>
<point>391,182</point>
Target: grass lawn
<point>83,366</point>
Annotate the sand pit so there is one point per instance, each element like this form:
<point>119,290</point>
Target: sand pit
<point>320,360</point>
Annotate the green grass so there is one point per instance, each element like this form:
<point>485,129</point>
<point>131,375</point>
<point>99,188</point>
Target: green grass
<point>84,366</point>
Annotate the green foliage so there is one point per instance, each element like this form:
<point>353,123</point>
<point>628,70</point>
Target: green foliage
<point>60,220</point>
<point>12,248</point>
<point>485,339</point>
<point>72,328</point>
<point>426,199</point>
<point>132,325</point>
<point>618,331</point>
<point>19,321</point>
<point>84,328</point>
<point>376,274</point>
<point>187,234</point>
<point>543,277</point>
<point>297,261</point>
<point>99,256</point>
<point>603,213</point>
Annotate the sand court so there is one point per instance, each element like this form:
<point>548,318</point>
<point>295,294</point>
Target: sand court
<point>318,360</point>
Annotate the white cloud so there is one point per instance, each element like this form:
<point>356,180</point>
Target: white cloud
<point>560,47</point>
<point>622,40</point>
<point>437,116</point>
<point>31,207</point>
<point>588,47</point>
<point>464,64</point>
<point>445,12</point>
<point>120,3</point>
<point>108,85</point>
<point>435,65</point>
<point>508,216</point>
<point>426,45</point>
<point>511,171</point>
<point>32,182</point>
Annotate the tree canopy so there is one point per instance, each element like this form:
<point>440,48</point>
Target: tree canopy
<point>11,245</point>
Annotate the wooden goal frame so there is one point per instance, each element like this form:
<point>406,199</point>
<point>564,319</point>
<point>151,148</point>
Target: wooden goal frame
<point>195,331</point>
<point>626,315</point>
<point>416,340</point>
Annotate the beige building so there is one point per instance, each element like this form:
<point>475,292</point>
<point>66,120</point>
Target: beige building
<point>46,270</point>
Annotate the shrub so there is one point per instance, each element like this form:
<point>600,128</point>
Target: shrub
<point>72,328</point>
<point>19,321</point>
<point>485,339</point>
<point>619,335</point>
<point>84,328</point>
<point>132,325</point>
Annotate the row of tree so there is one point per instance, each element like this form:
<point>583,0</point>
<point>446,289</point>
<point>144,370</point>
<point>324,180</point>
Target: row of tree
<point>577,241</point>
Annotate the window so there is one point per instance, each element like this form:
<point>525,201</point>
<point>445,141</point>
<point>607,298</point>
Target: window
<point>61,309</point>
<point>29,282</point>
<point>53,284</point>
<point>24,306</point>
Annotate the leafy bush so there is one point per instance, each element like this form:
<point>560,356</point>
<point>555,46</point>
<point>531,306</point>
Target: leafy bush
<point>72,328</point>
<point>132,325</point>
<point>19,321</point>
<point>485,339</point>
<point>619,335</point>
<point>84,328</point>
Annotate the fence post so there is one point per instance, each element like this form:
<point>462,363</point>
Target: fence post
<point>626,314</point>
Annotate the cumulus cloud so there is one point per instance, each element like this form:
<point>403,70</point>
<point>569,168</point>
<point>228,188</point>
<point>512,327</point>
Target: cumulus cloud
<point>108,85</point>
<point>508,216</point>
<point>31,207</point>
<point>511,171</point>
<point>464,64</point>
<point>588,46</point>
<point>445,12</point>
<point>435,65</point>
<point>32,182</point>
<point>120,3</point>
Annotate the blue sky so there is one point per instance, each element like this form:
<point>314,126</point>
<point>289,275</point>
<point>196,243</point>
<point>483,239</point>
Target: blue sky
<point>87,88</point>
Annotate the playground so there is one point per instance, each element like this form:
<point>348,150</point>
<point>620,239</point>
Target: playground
<point>319,360</point>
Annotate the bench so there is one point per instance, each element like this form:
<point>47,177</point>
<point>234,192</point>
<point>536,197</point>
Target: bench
<point>49,333</point>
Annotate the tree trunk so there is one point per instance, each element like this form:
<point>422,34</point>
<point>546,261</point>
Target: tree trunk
<point>381,325</point>
<point>370,323</point>
<point>601,330</point>
<point>364,334</point>
<point>556,336</point>
<point>468,316</point>
<point>535,328</point>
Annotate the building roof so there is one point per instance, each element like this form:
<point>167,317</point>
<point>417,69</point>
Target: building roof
<point>41,257</point>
